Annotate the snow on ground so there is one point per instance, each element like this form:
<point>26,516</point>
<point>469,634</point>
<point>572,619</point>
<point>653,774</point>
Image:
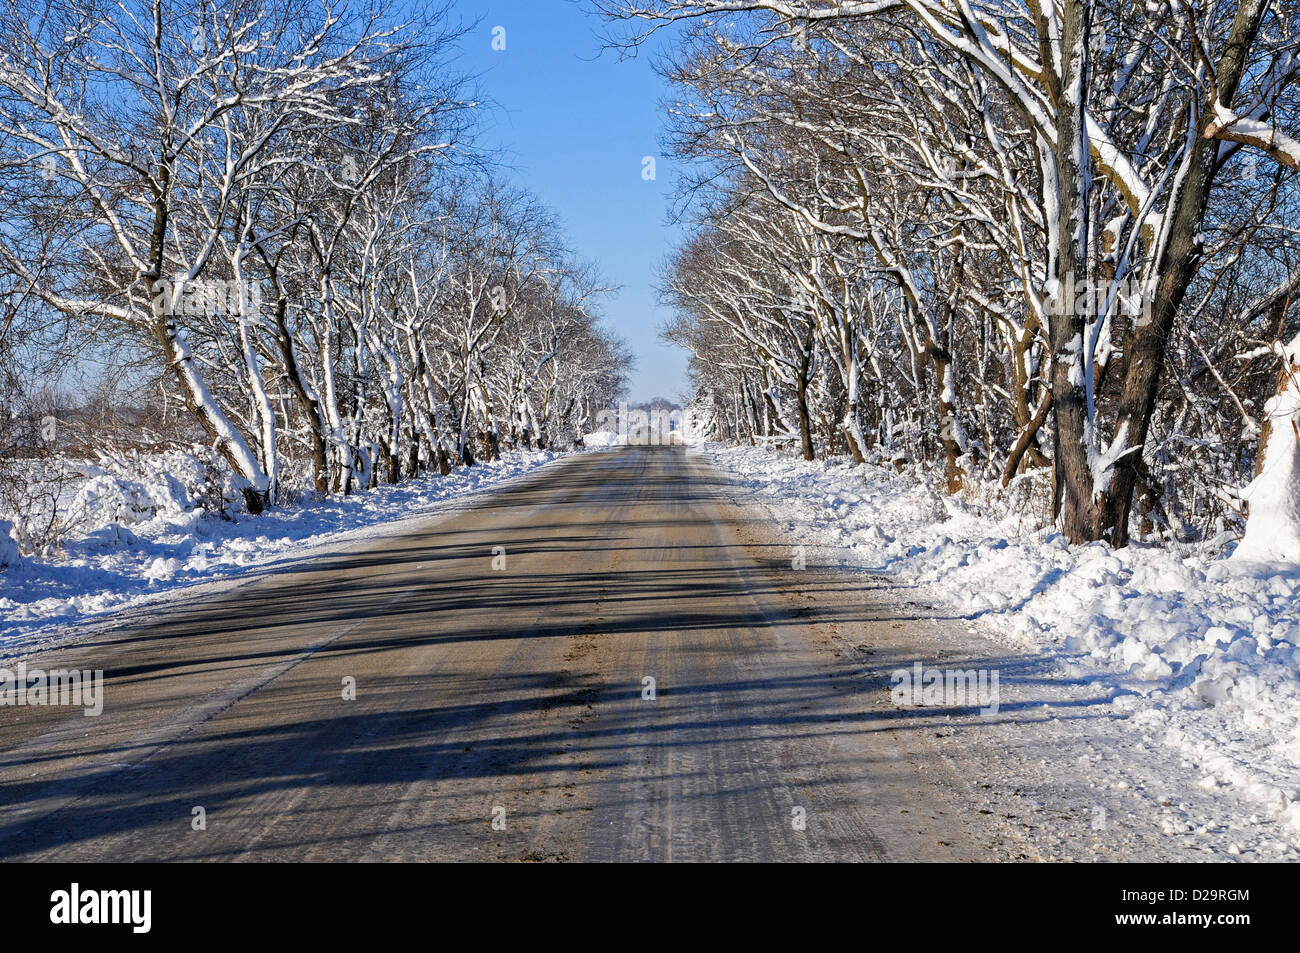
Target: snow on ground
<point>162,541</point>
<point>1197,652</point>
<point>599,439</point>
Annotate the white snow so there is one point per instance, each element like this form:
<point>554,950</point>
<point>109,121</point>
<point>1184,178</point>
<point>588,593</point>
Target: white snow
<point>1197,652</point>
<point>8,545</point>
<point>142,538</point>
<point>603,438</point>
<point>1273,529</point>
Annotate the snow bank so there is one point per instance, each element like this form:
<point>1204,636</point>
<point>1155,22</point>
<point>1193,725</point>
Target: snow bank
<point>1196,650</point>
<point>138,538</point>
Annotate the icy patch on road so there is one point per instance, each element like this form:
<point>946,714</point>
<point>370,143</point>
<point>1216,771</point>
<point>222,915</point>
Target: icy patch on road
<point>1198,652</point>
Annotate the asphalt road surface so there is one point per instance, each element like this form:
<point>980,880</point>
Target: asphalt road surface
<point>502,712</point>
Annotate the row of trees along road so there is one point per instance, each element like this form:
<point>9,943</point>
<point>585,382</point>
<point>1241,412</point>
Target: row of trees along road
<point>279,203</point>
<point>1002,235</point>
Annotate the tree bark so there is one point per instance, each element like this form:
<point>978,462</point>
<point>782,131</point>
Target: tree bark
<point>1148,345</point>
<point>1073,499</point>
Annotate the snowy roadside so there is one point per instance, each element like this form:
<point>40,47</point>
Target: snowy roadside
<point>116,566</point>
<point>1192,653</point>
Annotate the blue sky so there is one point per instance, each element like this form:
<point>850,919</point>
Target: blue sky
<point>575,124</point>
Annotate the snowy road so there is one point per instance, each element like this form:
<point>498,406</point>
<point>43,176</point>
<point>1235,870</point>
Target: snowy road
<point>501,713</point>
<point>473,685</point>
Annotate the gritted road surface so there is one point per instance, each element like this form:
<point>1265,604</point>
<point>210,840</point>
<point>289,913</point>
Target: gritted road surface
<point>499,713</point>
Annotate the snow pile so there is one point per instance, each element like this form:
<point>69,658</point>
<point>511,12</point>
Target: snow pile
<point>8,545</point>
<point>602,438</point>
<point>1273,531</point>
<point>1198,651</point>
<point>173,525</point>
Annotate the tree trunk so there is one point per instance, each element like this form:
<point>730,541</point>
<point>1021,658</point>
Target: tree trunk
<point>1073,499</point>
<point>1149,344</point>
<point>805,422</point>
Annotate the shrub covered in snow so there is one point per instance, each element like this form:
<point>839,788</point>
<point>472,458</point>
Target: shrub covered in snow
<point>54,501</point>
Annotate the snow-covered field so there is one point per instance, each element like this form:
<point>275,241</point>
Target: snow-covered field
<point>140,539</point>
<point>1197,651</point>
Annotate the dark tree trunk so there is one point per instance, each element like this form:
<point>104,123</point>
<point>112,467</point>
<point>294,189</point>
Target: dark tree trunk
<point>1147,346</point>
